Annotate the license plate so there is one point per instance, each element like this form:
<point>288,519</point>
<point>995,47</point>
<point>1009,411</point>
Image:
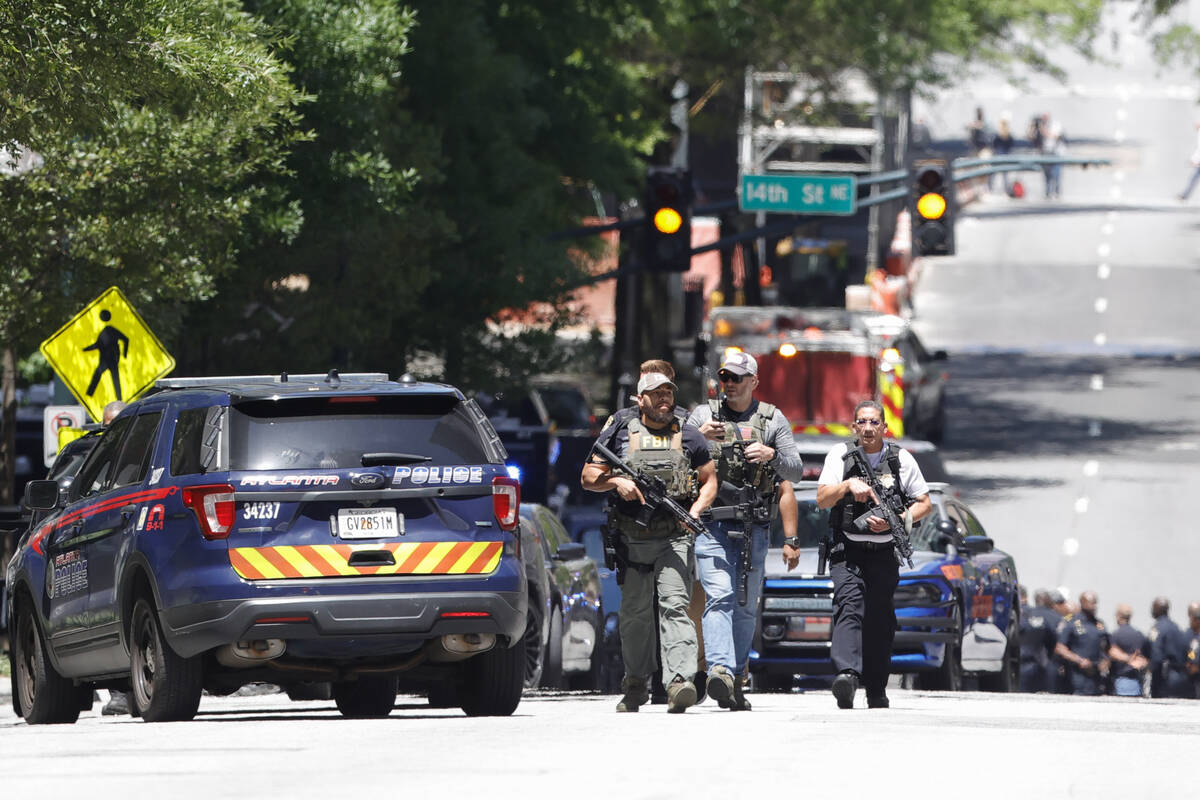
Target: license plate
<point>367,523</point>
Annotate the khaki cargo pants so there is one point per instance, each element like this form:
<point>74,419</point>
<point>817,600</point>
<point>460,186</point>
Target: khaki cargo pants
<point>671,579</point>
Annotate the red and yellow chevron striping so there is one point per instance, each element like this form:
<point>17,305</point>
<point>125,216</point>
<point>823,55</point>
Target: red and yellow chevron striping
<point>333,560</point>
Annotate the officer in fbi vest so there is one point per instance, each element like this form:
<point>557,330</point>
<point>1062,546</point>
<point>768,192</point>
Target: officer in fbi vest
<point>752,445</point>
<point>658,557</point>
<point>863,564</point>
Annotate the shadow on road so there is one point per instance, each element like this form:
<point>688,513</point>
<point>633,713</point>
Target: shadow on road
<point>1005,406</point>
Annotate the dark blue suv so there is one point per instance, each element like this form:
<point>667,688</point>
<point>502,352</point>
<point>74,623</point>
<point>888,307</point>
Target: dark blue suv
<point>291,530</point>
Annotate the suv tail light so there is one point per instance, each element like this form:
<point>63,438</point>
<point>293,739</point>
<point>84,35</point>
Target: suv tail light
<point>506,502</point>
<point>214,508</point>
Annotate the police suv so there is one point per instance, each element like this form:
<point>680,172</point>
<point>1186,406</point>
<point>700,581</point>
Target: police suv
<point>285,529</point>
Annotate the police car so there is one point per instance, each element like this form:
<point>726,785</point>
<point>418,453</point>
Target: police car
<point>957,607</point>
<point>312,528</point>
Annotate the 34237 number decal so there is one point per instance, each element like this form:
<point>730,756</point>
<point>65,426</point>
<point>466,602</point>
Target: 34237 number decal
<point>260,510</point>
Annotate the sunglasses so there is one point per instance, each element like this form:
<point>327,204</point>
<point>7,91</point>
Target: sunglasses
<point>729,377</point>
<point>874,423</point>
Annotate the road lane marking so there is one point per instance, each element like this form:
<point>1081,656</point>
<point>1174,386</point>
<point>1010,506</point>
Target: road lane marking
<point>1097,383</point>
<point>1100,339</point>
<point>1104,249</point>
<point>1103,271</point>
<point>1101,305</point>
<point>1091,467</point>
<point>1094,428</point>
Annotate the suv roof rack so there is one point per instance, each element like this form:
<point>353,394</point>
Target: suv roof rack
<point>332,377</point>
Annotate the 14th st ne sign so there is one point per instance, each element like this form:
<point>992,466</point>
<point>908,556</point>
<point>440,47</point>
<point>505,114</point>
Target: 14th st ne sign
<point>799,194</point>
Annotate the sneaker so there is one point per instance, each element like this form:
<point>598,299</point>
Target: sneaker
<point>844,687</point>
<point>720,686</point>
<point>117,705</point>
<point>740,703</point>
<point>680,694</point>
<point>636,694</point>
<point>878,701</point>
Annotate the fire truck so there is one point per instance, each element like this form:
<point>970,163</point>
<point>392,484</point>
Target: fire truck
<point>816,364</point>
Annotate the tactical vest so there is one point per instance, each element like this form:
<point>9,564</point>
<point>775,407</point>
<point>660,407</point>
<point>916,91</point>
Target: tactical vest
<point>659,455</point>
<point>843,514</point>
<point>729,456</point>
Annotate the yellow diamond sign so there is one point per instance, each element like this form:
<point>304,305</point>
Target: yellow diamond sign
<point>107,353</point>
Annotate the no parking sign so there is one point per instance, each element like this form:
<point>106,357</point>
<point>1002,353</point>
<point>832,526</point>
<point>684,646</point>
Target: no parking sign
<point>56,419</point>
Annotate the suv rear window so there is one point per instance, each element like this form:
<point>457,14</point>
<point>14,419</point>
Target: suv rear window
<point>335,432</point>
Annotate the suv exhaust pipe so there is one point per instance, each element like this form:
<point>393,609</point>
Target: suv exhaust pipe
<point>458,646</point>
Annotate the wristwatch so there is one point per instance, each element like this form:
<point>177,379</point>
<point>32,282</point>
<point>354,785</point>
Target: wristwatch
<point>792,541</point>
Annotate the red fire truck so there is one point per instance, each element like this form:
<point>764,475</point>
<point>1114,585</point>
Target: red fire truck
<point>816,364</point>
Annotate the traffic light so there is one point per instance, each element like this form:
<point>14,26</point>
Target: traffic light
<point>932,209</point>
<point>668,205</point>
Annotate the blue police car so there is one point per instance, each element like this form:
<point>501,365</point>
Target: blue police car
<point>315,528</point>
<point>957,608</point>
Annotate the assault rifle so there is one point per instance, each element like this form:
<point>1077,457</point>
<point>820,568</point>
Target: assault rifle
<point>654,490</point>
<point>745,505</point>
<point>742,503</point>
<point>890,507</point>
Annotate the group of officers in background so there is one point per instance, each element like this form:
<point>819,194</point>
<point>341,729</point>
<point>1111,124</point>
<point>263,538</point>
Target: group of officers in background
<point>1068,650</point>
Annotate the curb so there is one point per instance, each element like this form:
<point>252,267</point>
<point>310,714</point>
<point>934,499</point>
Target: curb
<point>5,687</point>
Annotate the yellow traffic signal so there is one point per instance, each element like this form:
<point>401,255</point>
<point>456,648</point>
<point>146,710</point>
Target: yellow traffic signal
<point>931,205</point>
<point>667,220</point>
<point>667,245</point>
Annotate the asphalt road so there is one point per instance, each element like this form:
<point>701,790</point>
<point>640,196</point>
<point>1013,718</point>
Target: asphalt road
<point>928,744</point>
<point>1074,399</point>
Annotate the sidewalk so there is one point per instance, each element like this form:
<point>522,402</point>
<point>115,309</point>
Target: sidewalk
<point>5,686</point>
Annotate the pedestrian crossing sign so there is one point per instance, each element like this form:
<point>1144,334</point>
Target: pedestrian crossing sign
<point>107,353</point>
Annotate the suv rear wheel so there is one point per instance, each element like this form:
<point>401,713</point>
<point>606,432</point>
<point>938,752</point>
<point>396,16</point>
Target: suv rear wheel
<point>43,696</point>
<point>369,696</point>
<point>165,686</point>
<point>493,681</point>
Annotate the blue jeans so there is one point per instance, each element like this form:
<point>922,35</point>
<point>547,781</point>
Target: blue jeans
<point>729,627</point>
<point>1127,687</point>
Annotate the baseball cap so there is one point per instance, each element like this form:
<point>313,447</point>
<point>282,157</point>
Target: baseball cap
<point>652,380</point>
<point>740,363</point>
<point>1057,597</point>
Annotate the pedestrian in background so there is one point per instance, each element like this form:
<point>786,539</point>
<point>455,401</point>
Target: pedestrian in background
<point>1039,626</point>
<point>1054,143</point>
<point>1059,677</point>
<point>1192,657</point>
<point>752,444</point>
<point>1129,653</point>
<point>979,134</point>
<point>864,565</point>
<point>1191,184</point>
<point>1168,650</point>
<point>1002,145</point>
<point>1083,645</point>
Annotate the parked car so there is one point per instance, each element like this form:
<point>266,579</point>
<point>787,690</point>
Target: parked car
<point>288,529</point>
<point>571,622</point>
<point>585,524</point>
<point>957,607</point>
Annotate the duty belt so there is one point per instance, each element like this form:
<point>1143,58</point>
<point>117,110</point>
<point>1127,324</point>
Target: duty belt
<point>850,543</point>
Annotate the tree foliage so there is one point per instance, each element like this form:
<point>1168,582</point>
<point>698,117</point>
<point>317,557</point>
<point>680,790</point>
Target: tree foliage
<point>65,65</point>
<point>150,195</point>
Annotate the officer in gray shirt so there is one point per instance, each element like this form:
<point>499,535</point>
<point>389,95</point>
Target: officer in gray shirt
<point>752,445</point>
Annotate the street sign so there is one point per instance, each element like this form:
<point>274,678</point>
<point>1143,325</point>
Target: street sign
<point>799,194</point>
<point>107,353</point>
<point>60,424</point>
